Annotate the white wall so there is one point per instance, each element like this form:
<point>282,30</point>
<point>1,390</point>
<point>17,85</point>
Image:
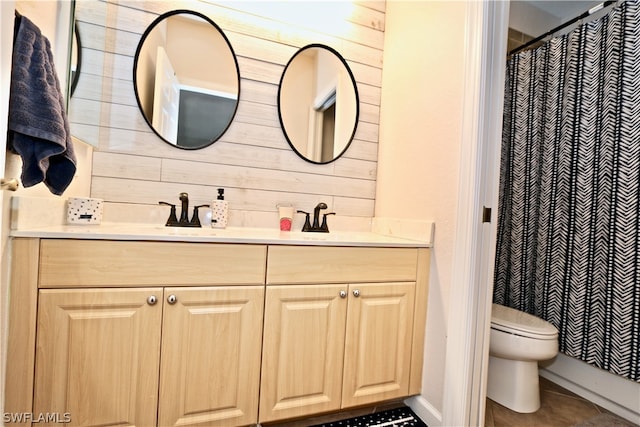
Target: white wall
<point>419,156</point>
<point>531,20</point>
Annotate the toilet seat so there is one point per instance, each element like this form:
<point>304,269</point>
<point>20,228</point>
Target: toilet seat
<point>512,321</point>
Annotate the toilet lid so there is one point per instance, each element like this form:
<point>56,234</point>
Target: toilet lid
<point>518,322</point>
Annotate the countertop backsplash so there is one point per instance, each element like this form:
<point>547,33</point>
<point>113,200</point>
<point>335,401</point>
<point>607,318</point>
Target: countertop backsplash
<point>33,212</point>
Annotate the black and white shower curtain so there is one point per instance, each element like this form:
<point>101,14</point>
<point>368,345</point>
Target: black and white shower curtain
<point>568,246</point>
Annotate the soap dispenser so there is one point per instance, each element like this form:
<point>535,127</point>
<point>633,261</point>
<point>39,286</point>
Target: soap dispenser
<point>219,211</point>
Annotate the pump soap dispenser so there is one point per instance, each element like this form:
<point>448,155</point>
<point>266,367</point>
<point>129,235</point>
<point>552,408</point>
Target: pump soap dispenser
<point>219,211</point>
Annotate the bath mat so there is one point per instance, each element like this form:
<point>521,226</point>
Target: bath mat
<point>398,417</point>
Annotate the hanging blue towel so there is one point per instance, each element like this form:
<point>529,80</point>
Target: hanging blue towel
<point>38,125</point>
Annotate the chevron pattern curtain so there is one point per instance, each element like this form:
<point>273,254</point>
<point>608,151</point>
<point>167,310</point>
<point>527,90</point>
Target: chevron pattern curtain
<point>568,246</point>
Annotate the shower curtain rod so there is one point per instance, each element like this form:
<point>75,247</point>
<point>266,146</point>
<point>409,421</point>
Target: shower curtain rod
<point>566,24</point>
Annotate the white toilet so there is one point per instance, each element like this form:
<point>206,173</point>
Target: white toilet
<point>518,340</point>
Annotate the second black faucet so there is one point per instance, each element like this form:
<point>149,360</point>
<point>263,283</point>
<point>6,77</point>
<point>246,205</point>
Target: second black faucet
<point>316,227</point>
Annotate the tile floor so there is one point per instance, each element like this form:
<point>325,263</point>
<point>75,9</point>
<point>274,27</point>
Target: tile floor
<point>558,408</point>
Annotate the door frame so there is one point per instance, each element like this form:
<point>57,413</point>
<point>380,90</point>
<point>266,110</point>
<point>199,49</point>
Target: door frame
<point>7,8</point>
<point>474,248</point>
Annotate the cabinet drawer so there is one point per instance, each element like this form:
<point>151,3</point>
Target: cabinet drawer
<point>295,264</point>
<point>66,263</point>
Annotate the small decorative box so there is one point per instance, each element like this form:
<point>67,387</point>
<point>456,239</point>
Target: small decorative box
<point>84,210</point>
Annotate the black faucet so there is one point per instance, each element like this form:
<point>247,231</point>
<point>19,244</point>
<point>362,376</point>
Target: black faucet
<point>184,214</point>
<point>195,219</point>
<point>172,221</point>
<point>324,227</point>
<point>316,227</point>
<point>316,215</point>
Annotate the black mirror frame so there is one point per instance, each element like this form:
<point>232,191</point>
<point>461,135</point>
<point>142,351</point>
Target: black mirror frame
<point>355,90</point>
<point>76,75</point>
<point>135,71</point>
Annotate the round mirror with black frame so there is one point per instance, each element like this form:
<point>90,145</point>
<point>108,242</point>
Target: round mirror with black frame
<point>76,59</point>
<point>318,104</point>
<point>186,79</point>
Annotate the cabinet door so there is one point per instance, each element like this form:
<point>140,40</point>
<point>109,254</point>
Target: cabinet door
<point>303,350</point>
<point>211,342</point>
<point>97,356</point>
<point>378,342</point>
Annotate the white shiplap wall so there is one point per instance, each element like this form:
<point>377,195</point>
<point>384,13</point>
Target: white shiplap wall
<point>133,169</point>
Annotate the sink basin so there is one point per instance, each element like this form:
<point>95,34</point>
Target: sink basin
<point>186,231</point>
<point>315,236</point>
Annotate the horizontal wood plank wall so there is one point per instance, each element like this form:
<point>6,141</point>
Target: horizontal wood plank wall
<point>252,160</point>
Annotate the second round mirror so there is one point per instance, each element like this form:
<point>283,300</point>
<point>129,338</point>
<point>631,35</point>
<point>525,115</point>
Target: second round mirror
<point>318,104</point>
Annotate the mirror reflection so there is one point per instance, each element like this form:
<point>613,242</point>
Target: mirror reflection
<point>318,104</point>
<point>186,79</point>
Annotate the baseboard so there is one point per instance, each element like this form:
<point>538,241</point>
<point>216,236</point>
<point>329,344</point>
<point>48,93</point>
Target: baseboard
<point>423,409</point>
<point>612,392</point>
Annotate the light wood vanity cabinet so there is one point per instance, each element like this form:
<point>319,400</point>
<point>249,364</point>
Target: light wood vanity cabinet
<point>98,355</point>
<point>208,363</point>
<point>330,345</point>
<point>112,351</point>
<point>211,344</point>
<point>173,333</point>
<point>303,351</point>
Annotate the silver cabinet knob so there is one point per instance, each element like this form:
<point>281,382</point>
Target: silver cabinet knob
<point>356,293</point>
<point>152,300</point>
<point>172,299</point>
<point>343,294</point>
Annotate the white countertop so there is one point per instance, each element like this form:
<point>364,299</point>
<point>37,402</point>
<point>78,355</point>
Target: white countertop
<point>266,236</point>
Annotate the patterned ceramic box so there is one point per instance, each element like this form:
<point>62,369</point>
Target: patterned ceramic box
<point>84,210</point>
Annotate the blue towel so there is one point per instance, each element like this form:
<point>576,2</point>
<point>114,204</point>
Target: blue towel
<point>38,125</point>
